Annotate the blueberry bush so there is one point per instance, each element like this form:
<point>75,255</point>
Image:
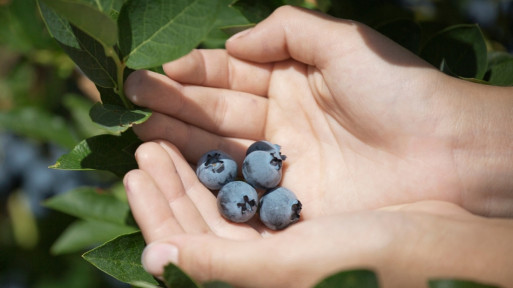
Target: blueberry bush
<point>105,40</point>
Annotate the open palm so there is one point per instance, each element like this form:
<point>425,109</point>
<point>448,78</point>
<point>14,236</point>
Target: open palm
<point>355,136</point>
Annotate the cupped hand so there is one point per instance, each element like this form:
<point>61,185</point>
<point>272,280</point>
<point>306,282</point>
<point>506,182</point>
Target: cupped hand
<point>405,245</point>
<point>356,114</point>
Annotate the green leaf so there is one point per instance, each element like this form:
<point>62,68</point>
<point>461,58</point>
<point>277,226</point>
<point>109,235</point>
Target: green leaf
<point>500,69</point>
<point>217,284</point>
<point>352,278</point>
<point>38,124</point>
<point>403,31</point>
<point>155,32</point>
<point>92,204</point>
<point>84,50</point>
<point>78,107</point>
<point>115,118</point>
<point>121,258</point>
<point>452,283</point>
<point>175,277</point>
<point>227,17</point>
<point>256,11</point>
<point>463,48</point>
<point>103,152</point>
<point>84,234</point>
<point>87,18</point>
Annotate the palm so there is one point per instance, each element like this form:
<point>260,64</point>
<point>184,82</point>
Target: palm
<point>342,156</point>
<point>347,149</point>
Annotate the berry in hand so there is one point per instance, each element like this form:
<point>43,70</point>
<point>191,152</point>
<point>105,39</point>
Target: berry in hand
<point>216,168</point>
<point>262,169</point>
<point>279,208</point>
<point>237,201</point>
<point>265,146</point>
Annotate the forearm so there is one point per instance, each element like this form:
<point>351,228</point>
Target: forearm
<point>476,250</point>
<point>481,124</point>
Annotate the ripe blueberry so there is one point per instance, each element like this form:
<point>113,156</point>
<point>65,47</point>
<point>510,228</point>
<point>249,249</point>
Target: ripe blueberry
<point>265,146</point>
<point>237,201</point>
<point>262,169</point>
<point>279,208</point>
<point>215,169</point>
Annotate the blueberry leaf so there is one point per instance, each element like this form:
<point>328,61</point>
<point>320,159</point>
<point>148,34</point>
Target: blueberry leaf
<point>85,51</point>
<point>103,152</point>
<point>93,204</point>
<point>456,283</point>
<point>82,234</point>
<point>256,11</point>
<point>155,32</point>
<point>462,47</point>
<point>121,258</point>
<point>114,118</point>
<point>88,18</point>
<point>500,69</point>
<point>351,278</point>
<point>175,277</point>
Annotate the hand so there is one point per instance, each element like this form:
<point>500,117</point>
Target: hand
<point>364,122</point>
<point>405,245</point>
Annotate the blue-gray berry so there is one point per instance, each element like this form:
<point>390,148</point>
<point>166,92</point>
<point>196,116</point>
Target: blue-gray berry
<point>237,201</point>
<point>279,207</point>
<point>216,168</point>
<point>262,169</point>
<point>264,145</point>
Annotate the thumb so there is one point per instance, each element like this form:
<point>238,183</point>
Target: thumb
<point>291,32</point>
<point>207,257</point>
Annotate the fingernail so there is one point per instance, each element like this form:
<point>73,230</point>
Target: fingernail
<point>157,255</point>
<point>240,34</point>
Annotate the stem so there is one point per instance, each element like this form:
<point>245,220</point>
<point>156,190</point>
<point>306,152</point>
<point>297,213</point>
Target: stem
<point>120,65</point>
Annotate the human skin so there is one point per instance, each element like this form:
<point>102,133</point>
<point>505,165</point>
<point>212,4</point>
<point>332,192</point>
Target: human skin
<point>364,123</point>
<point>406,245</point>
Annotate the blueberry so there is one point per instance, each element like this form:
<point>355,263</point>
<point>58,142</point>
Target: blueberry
<point>237,201</point>
<point>215,169</point>
<point>265,146</point>
<point>279,208</point>
<point>262,169</point>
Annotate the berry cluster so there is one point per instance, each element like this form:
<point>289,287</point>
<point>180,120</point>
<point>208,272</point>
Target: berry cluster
<point>238,201</point>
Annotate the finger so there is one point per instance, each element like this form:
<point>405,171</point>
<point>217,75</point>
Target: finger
<point>192,141</point>
<point>149,207</point>
<point>293,33</point>
<point>224,112</point>
<point>205,201</point>
<point>155,161</point>
<point>212,258</point>
<point>215,68</point>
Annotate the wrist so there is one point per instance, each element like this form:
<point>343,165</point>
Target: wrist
<point>480,133</point>
<point>463,247</point>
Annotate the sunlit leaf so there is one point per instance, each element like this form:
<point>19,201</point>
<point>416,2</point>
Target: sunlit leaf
<point>115,118</point>
<point>87,18</point>
<point>82,235</point>
<point>103,152</point>
<point>173,30</point>
<point>121,258</point>
<point>92,204</point>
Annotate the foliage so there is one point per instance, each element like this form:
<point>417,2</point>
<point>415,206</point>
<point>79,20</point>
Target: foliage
<point>109,39</point>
